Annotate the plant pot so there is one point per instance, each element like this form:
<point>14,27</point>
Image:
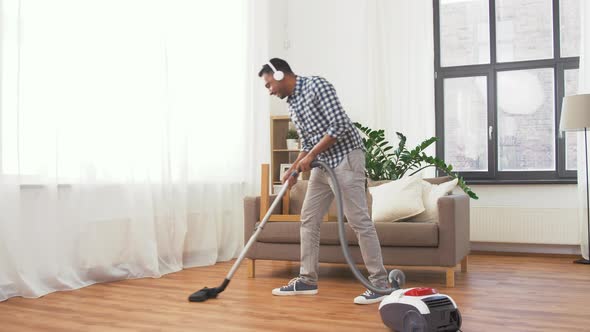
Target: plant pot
<point>292,144</point>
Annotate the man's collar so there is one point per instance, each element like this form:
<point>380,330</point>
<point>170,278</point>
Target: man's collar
<point>298,87</point>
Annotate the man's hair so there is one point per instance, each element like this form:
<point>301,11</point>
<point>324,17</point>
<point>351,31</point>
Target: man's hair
<point>279,64</point>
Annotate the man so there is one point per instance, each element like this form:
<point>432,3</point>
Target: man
<point>327,134</point>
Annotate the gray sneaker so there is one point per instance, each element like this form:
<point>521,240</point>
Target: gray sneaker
<point>368,297</point>
<point>296,287</point>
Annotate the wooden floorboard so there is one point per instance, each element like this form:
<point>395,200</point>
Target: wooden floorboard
<point>498,293</point>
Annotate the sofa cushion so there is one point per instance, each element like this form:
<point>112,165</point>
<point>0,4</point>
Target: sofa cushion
<point>430,195</point>
<point>432,190</point>
<point>400,234</point>
<point>397,200</point>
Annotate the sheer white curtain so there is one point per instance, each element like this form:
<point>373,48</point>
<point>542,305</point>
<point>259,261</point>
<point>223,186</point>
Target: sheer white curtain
<point>401,69</point>
<point>583,87</point>
<point>126,144</point>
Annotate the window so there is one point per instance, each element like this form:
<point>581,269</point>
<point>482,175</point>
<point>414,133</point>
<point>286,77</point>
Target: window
<point>502,70</point>
<point>87,95</point>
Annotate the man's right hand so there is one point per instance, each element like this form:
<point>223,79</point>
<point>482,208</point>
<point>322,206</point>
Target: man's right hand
<point>287,177</point>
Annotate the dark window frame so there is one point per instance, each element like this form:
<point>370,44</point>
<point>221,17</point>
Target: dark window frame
<point>557,63</point>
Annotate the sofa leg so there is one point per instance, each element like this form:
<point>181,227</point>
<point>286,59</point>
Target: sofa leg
<point>464,264</point>
<point>251,268</point>
<point>450,277</point>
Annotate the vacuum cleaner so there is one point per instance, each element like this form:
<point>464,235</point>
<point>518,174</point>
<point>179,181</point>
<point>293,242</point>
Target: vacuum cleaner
<point>420,309</point>
<point>405,310</point>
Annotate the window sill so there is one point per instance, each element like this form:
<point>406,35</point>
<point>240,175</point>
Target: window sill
<point>501,182</point>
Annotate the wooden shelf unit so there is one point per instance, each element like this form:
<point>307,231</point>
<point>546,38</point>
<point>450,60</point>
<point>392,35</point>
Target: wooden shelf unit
<point>265,201</point>
<point>279,125</point>
<point>270,174</point>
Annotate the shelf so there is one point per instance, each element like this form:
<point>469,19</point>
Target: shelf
<point>279,151</point>
<point>281,117</point>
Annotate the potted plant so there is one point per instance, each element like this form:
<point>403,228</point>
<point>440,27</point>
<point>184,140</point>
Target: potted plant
<point>384,164</point>
<point>292,140</point>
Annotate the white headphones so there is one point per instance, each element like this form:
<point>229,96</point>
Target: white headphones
<point>277,74</point>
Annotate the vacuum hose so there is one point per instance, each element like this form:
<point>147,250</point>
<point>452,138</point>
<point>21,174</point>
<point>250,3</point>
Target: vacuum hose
<point>396,277</point>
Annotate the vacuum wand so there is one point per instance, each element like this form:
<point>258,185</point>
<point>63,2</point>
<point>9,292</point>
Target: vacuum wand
<point>209,293</point>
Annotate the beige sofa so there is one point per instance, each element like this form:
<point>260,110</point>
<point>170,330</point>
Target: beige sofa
<point>441,244</point>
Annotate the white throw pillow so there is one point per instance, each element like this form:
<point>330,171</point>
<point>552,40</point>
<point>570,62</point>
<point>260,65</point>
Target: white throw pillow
<point>397,200</point>
<point>430,195</point>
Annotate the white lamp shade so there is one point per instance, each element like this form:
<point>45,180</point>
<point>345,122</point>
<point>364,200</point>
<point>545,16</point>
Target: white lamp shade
<point>575,113</point>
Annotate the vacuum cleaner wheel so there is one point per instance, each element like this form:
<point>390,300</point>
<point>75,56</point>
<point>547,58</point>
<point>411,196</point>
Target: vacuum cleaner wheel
<point>459,319</point>
<point>397,276</point>
<point>413,322</point>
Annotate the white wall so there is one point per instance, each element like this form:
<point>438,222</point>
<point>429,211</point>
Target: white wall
<point>526,196</point>
<point>278,20</point>
<point>318,39</point>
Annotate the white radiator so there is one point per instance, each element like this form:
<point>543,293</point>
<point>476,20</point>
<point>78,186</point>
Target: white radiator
<point>525,225</point>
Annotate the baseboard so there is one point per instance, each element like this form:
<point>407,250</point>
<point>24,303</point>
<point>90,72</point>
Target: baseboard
<point>525,248</point>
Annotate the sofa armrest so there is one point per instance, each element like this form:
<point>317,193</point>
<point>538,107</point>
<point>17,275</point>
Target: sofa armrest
<point>453,218</point>
<point>252,213</point>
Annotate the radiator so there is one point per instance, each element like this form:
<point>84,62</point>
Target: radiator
<point>525,225</point>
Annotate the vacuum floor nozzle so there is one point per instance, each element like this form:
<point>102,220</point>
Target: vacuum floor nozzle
<point>203,295</point>
<point>208,293</point>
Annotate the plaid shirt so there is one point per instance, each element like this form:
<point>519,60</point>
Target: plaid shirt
<point>316,111</point>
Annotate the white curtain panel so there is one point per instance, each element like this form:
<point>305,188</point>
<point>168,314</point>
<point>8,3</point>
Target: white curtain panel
<point>126,139</point>
<point>583,87</point>
<point>401,70</point>
<point>379,54</point>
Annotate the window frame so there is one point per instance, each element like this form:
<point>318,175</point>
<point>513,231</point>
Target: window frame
<point>490,70</point>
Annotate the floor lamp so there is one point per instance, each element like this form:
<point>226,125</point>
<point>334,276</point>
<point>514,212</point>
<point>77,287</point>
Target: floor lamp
<point>575,116</point>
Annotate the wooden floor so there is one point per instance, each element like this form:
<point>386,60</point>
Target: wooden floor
<point>498,293</point>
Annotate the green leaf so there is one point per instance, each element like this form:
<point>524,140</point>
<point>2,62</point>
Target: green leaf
<point>428,142</point>
<point>381,165</point>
